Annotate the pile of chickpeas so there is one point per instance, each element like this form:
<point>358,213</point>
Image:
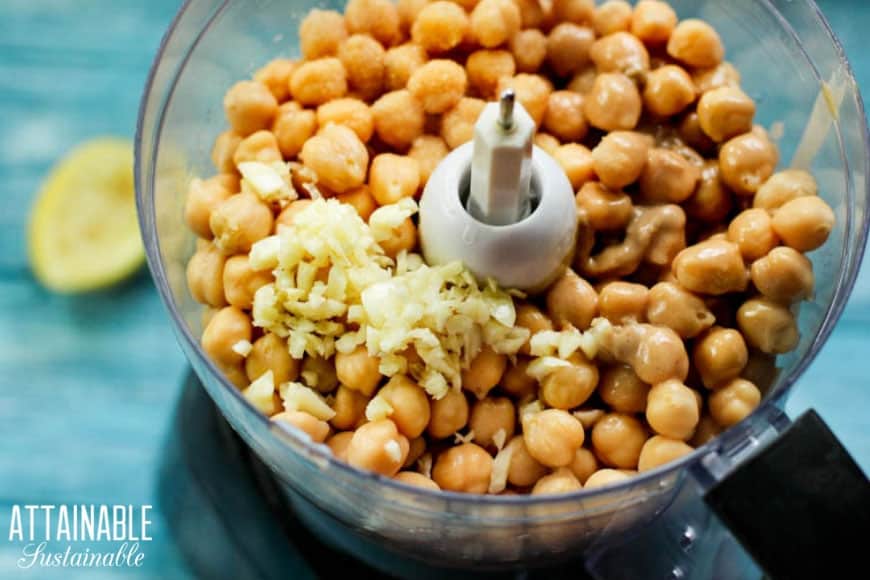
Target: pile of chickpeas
<point>691,246</point>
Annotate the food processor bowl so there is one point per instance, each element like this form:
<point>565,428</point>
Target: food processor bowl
<point>790,63</point>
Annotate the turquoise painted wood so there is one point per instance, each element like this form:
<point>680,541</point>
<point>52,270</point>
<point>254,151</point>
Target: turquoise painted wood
<point>87,383</point>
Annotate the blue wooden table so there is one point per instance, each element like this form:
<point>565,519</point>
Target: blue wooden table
<point>88,383</point>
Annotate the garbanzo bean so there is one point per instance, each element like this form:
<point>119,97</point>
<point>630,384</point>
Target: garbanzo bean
<point>712,267</point>
<point>603,209</point>
<point>656,353</point>
<point>746,161</point>
<point>240,281</point>
<point>690,131</point>
<point>532,14</point>
<point>408,11</point>
<point>623,302</point>
<point>270,353</point>
<point>659,450</point>
<point>318,81</point>
<point>205,276</point>
<point>653,22</point>
<point>289,213</point>
<point>486,67</point>
<point>515,382</point>
<point>683,312</point>
<point>532,92</point>
<point>572,300</point>
<point>722,75</point>
<point>401,238</point>
<point>605,477</point>
<point>711,201</point>
<point>363,60</point>
<point>804,223</point>
<point>613,104</point>
<point>448,414</point>
<point>350,408</point>
<point>753,232</point>
<point>416,449</point>
<point>584,464</point>
<point>783,275</point>
<point>734,402</point>
<point>672,410</point>
<point>309,424</point>
<point>400,62</point>
<point>293,126</point>
<point>427,151</point>
<point>489,416</point>
<point>568,48</point>
<point>438,85</point>
<point>239,221</point>
<point>339,444</point>
<point>696,43</point>
<point>620,157</point>
<point>725,112</point>
<point>620,52</point>
<point>768,326</point>
<point>203,195</point>
<point>571,386</point>
<point>399,118</point>
<point>706,430</point>
<point>529,48</point>
<point>564,117</point>
<point>484,373</point>
<point>668,91</point>
<point>319,373</point>
<point>227,327</point>
<point>378,446</point>
<point>524,469</point>
<point>410,405</point>
<point>612,16</point>
<point>416,479</point>
<point>531,317</point>
<point>617,439</point>
<point>719,356</point>
<point>466,468</point>
<point>784,186</point>
<point>261,146</point>
<point>276,76</point>
<point>457,124</point>
<point>249,106</point>
<point>358,370</point>
<point>352,113</point>
<point>576,161</point>
<point>321,32</point>
<point>377,18</point>
<point>494,22</point>
<point>548,143</point>
<point>338,157</point>
<point>393,177</point>
<point>667,177</point>
<point>223,150</point>
<point>576,11</point>
<point>562,480</point>
<point>361,199</point>
<point>440,26</point>
<point>552,437</point>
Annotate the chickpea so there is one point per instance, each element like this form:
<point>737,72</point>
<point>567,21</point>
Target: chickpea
<point>489,416</point>
<point>753,232</point>
<point>205,276</point>
<point>516,382</point>
<point>203,196</point>
<point>678,309</point>
<point>410,405</point>
<point>339,444</point>
<point>572,300</point>
<point>484,373</point>
<point>427,151</point>
<point>783,275</point>
<point>393,177</point>
<point>768,326</point>
<point>400,63</point>
<point>613,104</point>
<point>531,317</point>
<point>486,67</point>
<point>719,356</point>
<point>240,282</point>
<point>352,113</point>
<point>656,353</point>
<point>659,450</point>
<point>532,14</point>
<point>691,133</point>
<point>722,75</point>
<point>532,92</point>
<point>612,16</point>
<point>784,186</point>
<point>276,76</point>
<point>416,449</point>
<point>270,353</point>
<point>603,209</point>
<point>363,60</point>
<point>552,437</point>
<point>440,26</point>
<point>350,408</point>
<point>399,118</point>
<point>529,48</point>
<point>667,177</point>
<point>288,215</point>
<point>321,32</point>
<point>309,424</point>
<point>239,221</point>
<point>466,468</point>
<point>319,373</point>
<point>457,124</point>
<point>562,480</point>
<point>804,223</point>
<point>617,439</point>
<point>292,128</point>
<point>622,302</point>
<point>568,48</point>
<point>576,11</point>
<point>605,477</point>
<point>734,402</point>
<point>706,430</point>
<point>696,43</point>
<point>338,157</point>
<point>249,107</point>
<point>378,447</point>
<point>576,161</point>
<point>622,389</point>
<point>564,117</point>
<point>223,150</point>
<point>725,112</point>
<point>438,85</point>
<point>569,387</point>
<point>668,91</point>
<point>524,469</point>
<point>711,201</point>
<point>672,410</point>
<point>361,199</point>
<point>548,143</point>
<point>377,18</point>
<point>494,22</point>
<point>227,327</point>
<point>746,161</point>
<point>448,414</point>
<point>653,22</point>
<point>416,479</point>
<point>761,370</point>
<point>261,146</point>
<point>712,267</point>
<point>401,238</point>
<point>584,464</point>
<point>319,81</point>
<point>619,158</point>
<point>620,52</point>
<point>358,370</point>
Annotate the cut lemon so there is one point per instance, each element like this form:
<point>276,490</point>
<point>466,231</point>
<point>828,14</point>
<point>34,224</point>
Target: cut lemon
<point>83,229</point>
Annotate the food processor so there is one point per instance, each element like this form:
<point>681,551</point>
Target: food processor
<point>657,524</point>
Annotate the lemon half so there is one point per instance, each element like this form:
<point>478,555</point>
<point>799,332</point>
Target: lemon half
<point>83,230</point>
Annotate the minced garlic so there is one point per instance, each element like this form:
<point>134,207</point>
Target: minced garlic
<point>260,393</point>
<point>298,397</point>
<point>270,181</point>
<point>378,408</point>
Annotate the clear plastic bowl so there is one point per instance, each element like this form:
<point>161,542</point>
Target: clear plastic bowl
<point>785,52</point>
